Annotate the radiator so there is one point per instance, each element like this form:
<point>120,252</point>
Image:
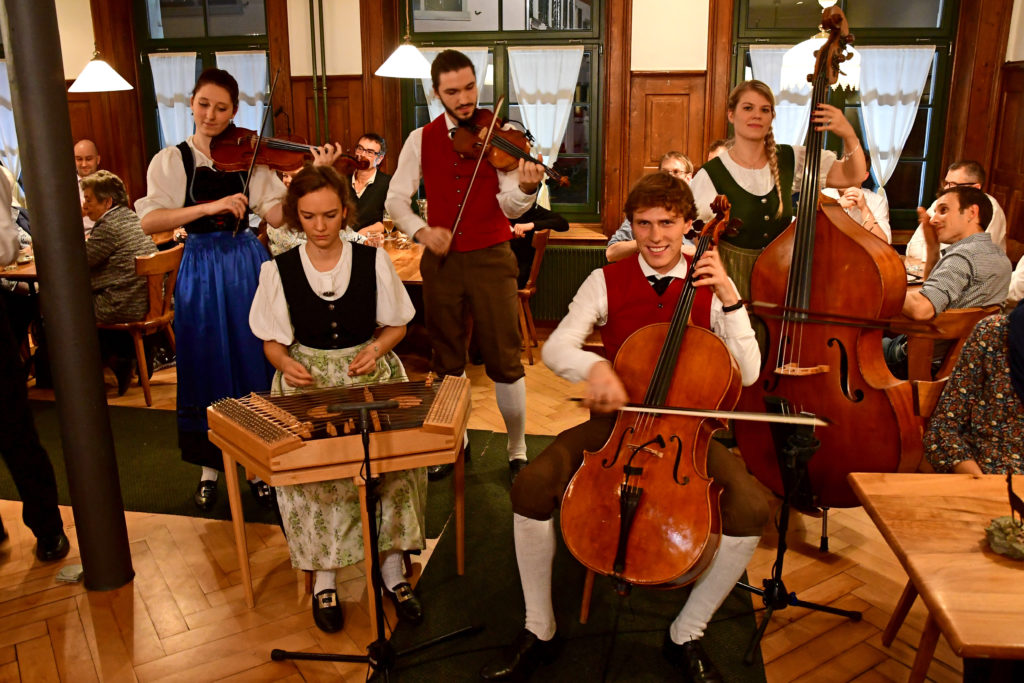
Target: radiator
<point>563,271</point>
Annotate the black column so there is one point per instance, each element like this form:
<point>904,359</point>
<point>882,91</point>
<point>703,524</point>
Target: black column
<point>38,92</point>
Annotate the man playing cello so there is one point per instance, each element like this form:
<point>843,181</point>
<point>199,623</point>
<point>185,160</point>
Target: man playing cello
<point>621,298</point>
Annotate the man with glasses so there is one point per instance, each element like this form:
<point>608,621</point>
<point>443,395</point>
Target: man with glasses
<point>370,184</point>
<point>963,173</point>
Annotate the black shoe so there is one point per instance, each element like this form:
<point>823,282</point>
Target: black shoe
<point>3,532</point>
<point>406,603</point>
<point>520,658</point>
<point>206,494</point>
<point>263,494</point>
<point>50,548</point>
<point>435,472</point>
<point>690,657</point>
<point>162,359</point>
<point>327,612</point>
<point>515,466</point>
<point>122,368</point>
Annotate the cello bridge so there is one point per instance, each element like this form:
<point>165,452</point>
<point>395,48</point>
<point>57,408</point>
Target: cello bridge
<point>636,449</point>
<point>794,370</point>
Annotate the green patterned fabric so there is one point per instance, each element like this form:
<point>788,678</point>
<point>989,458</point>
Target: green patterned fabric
<point>322,520</point>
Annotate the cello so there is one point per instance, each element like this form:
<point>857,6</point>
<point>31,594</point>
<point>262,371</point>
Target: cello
<point>643,509</point>
<point>822,269</point>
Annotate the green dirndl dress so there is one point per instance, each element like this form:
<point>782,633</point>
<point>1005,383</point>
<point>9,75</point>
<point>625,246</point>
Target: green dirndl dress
<point>322,520</point>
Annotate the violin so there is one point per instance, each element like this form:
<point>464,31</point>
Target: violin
<point>825,275</point>
<point>643,509</point>
<point>502,150</point>
<point>232,150</point>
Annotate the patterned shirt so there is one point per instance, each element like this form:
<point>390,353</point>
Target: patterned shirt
<point>972,272</point>
<point>979,416</point>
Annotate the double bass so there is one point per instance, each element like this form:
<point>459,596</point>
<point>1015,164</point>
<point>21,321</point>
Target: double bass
<point>820,273</point>
<point>643,509</point>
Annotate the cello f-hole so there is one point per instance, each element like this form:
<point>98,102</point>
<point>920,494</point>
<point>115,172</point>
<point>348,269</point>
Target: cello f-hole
<point>844,373</point>
<point>625,432</point>
<point>679,459</point>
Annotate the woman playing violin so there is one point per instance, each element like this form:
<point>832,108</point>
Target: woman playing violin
<point>621,298</point>
<point>759,176</point>
<point>217,354</point>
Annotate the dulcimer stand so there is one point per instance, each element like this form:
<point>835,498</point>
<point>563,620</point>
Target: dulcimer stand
<point>380,654</point>
<point>795,445</point>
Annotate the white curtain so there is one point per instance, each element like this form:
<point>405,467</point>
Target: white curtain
<point>8,135</point>
<point>792,105</point>
<point>544,81</point>
<point>891,82</point>
<point>174,75</point>
<point>477,55</point>
<point>250,70</point>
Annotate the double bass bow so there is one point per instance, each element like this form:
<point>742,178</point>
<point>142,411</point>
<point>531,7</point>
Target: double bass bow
<point>643,509</point>
<point>822,271</point>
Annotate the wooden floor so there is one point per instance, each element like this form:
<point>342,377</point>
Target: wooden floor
<point>184,615</point>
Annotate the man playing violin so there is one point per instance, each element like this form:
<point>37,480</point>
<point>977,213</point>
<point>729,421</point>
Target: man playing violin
<point>621,298</point>
<point>471,267</point>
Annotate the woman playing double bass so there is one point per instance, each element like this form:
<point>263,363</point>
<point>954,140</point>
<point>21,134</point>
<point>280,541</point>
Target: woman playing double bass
<point>621,298</point>
<point>759,177</point>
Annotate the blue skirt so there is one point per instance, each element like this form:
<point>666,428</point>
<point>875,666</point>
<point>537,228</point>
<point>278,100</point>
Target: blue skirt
<point>217,353</point>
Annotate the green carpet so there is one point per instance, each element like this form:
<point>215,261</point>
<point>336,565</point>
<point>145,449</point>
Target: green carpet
<point>489,595</point>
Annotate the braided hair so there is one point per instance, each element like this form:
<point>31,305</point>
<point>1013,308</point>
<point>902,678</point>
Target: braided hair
<point>764,91</point>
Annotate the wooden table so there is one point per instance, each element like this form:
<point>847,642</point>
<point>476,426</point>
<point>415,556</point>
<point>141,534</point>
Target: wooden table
<point>22,271</point>
<point>406,261</point>
<point>935,523</point>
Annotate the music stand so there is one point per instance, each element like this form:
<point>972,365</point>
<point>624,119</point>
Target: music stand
<point>380,654</point>
<point>795,445</point>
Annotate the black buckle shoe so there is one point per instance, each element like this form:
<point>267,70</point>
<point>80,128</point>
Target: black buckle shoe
<point>515,466</point>
<point>327,612</point>
<point>206,495</point>
<point>407,605</point>
<point>123,372</point>
<point>519,659</point>
<point>263,494</point>
<point>435,472</point>
<point>691,658</point>
<point>50,548</point>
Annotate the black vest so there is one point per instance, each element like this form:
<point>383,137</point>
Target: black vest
<point>205,184</point>
<point>338,324</point>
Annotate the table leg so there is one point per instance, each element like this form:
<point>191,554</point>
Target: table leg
<point>371,595</point>
<point>459,481</point>
<point>925,650</point>
<point>900,613</point>
<point>238,522</point>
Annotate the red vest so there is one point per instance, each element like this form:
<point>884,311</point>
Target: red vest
<point>633,303</point>
<point>446,178</point>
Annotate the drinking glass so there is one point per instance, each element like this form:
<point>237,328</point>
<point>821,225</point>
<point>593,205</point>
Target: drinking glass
<point>389,225</point>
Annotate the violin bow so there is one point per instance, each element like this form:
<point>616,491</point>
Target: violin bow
<point>483,150</point>
<point>256,147</point>
<point>802,419</point>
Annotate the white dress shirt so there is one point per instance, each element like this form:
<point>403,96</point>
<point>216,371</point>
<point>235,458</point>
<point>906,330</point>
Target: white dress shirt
<point>406,182</point>
<point>269,317</point>
<point>87,222</point>
<point>563,351</point>
<point>996,229</point>
<point>877,205</point>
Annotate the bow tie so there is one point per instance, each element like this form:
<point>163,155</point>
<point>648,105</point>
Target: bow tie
<point>660,284</point>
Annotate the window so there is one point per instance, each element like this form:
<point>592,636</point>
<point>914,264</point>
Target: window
<point>500,24</point>
<point>202,27</point>
<point>874,23</point>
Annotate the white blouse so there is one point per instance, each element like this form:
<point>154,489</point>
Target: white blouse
<point>269,317</point>
<point>756,181</point>
<point>166,183</point>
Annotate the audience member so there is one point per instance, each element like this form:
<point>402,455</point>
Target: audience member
<point>370,184</point>
<point>87,162</point>
<point>964,173</point>
<point>537,218</point>
<point>865,206</point>
<point>119,295</point>
<point>621,244</point>
<point>719,147</point>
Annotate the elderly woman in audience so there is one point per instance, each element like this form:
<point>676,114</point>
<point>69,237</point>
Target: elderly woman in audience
<point>118,294</point>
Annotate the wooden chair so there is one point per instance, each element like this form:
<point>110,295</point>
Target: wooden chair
<point>954,325</point>
<point>161,272</point>
<point>540,244</point>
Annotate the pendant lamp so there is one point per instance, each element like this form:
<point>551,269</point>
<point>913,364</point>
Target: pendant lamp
<point>98,76</point>
<point>406,61</point>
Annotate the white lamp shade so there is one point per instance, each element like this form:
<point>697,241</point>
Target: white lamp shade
<point>98,76</point>
<point>799,60</point>
<point>405,62</point>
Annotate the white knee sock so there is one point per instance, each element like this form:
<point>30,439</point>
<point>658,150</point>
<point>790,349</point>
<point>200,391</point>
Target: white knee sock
<point>209,474</point>
<point>713,587</point>
<point>535,554</point>
<point>323,580</point>
<point>512,406</point>
<point>391,569</point>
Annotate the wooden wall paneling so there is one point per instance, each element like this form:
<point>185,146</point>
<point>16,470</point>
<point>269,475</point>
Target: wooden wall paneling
<point>618,23</point>
<point>280,65</point>
<point>1006,170</point>
<point>719,75</point>
<point>117,116</point>
<point>666,112</point>
<point>344,108</point>
<point>982,35</point>
<point>381,97</point>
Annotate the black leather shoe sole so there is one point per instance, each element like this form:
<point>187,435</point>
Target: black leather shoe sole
<point>206,495</point>
<point>435,472</point>
<point>50,548</point>
<point>522,657</point>
<point>263,494</point>
<point>515,467</point>
<point>407,605</point>
<point>327,614</point>
<point>697,667</point>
